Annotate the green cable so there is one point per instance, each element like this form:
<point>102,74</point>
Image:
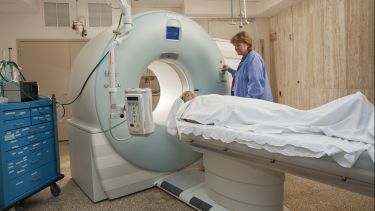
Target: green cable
<point>119,21</point>
<point>11,63</point>
<point>3,64</point>
<point>3,78</point>
<point>87,79</point>
<point>93,70</point>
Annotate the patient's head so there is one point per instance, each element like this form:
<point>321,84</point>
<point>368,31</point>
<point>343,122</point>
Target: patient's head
<point>187,95</point>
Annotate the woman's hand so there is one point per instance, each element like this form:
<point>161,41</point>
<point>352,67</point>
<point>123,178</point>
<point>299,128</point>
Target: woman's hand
<point>224,69</point>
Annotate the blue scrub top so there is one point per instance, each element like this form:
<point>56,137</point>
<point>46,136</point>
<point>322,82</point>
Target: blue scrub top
<point>251,79</point>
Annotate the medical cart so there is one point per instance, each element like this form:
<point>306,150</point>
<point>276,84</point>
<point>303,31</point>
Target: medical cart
<point>29,153</point>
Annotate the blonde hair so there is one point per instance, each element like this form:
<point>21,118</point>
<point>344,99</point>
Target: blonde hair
<point>243,37</point>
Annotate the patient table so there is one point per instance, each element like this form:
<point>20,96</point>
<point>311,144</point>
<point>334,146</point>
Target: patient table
<point>242,178</point>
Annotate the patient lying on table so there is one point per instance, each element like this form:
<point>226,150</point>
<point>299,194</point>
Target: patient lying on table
<point>342,129</point>
<point>350,117</point>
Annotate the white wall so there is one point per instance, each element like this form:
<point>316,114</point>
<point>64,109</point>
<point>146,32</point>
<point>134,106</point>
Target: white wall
<point>217,8</point>
<point>30,25</point>
<point>258,29</point>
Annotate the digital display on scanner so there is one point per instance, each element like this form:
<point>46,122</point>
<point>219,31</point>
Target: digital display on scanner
<point>173,33</point>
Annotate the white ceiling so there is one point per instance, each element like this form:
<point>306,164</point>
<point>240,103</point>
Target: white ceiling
<point>157,3</point>
<point>192,8</point>
<point>170,3</point>
<point>7,6</point>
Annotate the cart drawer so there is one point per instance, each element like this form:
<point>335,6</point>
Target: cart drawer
<point>41,119</point>
<point>17,133</point>
<point>22,151</point>
<point>16,114</point>
<point>40,128</point>
<point>31,181</point>
<point>39,136</point>
<point>16,123</point>
<point>15,143</point>
<point>20,166</point>
<point>41,110</point>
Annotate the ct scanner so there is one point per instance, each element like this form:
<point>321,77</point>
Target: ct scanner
<point>107,168</point>
<point>104,167</point>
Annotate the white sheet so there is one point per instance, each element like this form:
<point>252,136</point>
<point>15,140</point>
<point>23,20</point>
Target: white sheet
<point>171,119</point>
<point>342,129</point>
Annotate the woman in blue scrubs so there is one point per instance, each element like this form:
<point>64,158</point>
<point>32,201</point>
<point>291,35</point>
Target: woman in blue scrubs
<point>250,79</point>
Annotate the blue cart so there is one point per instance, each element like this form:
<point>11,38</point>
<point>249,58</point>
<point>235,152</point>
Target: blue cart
<point>29,153</point>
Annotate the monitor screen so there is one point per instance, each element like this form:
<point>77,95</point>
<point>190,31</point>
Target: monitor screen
<point>173,33</point>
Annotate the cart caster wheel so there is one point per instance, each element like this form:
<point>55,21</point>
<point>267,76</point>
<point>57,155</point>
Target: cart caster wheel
<point>18,208</point>
<point>55,189</point>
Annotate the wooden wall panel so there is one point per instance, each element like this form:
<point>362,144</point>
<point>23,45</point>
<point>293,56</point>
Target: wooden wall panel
<point>332,53</point>
<point>279,65</point>
<point>296,98</point>
<point>334,43</point>
<point>316,31</point>
<point>352,43</point>
<point>301,98</point>
<point>366,53</point>
<point>302,45</point>
<point>371,43</point>
<point>288,49</point>
<point>319,96</point>
<point>284,48</point>
<point>358,35</point>
<point>316,5</point>
<point>301,10</point>
<point>282,27</point>
<point>286,96</point>
<point>273,73</point>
